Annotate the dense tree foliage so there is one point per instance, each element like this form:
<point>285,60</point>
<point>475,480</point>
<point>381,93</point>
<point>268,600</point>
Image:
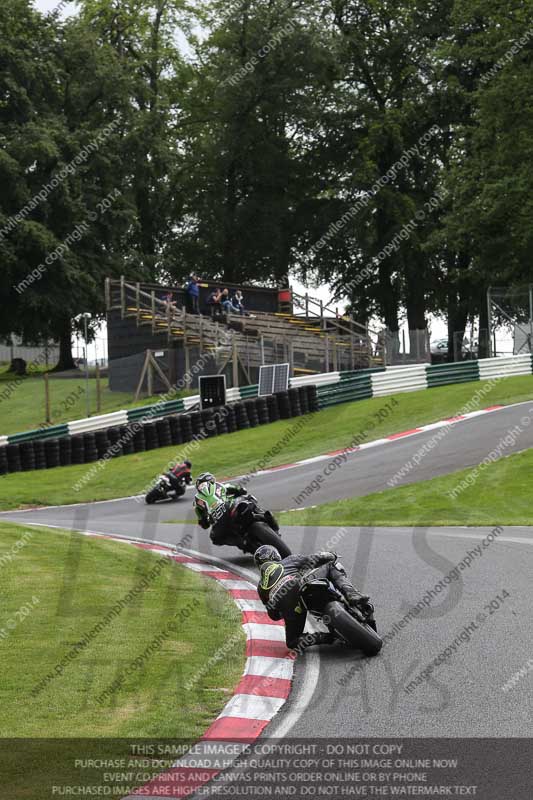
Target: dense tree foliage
<point>382,147</point>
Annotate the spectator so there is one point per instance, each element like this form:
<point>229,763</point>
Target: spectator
<point>214,303</point>
<point>193,293</point>
<point>238,302</point>
<point>171,303</point>
<point>227,304</point>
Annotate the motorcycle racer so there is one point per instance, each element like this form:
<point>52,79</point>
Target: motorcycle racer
<point>213,502</point>
<point>180,472</point>
<point>279,589</point>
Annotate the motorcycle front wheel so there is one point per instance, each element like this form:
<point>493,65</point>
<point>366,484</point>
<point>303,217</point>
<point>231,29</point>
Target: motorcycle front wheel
<point>355,633</point>
<point>152,497</point>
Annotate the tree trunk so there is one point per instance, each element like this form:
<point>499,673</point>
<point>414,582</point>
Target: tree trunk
<point>414,268</point>
<point>64,335</point>
<point>459,304</point>
<point>458,308</point>
<point>231,269</point>
<point>484,333</point>
<point>388,296</point>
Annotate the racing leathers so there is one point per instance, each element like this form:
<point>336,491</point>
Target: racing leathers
<point>279,589</point>
<point>178,473</point>
<point>221,532</point>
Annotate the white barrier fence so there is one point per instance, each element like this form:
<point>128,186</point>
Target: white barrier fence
<point>408,378</point>
<point>392,380</point>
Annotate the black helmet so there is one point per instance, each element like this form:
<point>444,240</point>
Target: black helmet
<point>266,553</point>
<point>205,477</point>
<point>188,464</point>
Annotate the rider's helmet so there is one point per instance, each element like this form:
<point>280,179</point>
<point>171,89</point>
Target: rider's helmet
<point>205,477</point>
<point>187,464</point>
<point>265,554</point>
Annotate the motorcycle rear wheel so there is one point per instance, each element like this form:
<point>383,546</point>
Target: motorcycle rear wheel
<point>263,534</point>
<point>354,632</point>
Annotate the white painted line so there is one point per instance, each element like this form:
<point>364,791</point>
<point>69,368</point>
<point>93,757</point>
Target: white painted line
<point>73,505</point>
<point>204,568</point>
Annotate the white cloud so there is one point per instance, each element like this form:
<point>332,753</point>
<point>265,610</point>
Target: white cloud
<point>49,5</point>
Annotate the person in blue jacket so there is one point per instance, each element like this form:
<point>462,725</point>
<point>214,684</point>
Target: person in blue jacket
<point>193,294</point>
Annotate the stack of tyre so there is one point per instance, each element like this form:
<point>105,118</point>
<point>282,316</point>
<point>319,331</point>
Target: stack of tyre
<point>150,436</point>
<point>262,411</point>
<point>284,405</point>
<point>241,416</point>
<point>116,446</point>
<point>13,458</point>
<point>176,429</point>
<point>95,446</point>
<point>3,461</point>
<point>162,427</point>
<point>51,453</point>
<point>186,427</point>
<point>65,451</point>
<point>77,449</point>
<point>26,455</point>
<point>101,441</point>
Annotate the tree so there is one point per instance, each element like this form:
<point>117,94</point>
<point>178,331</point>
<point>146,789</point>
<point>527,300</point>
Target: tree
<point>62,90</point>
<point>253,113</point>
<point>143,36</point>
<point>389,93</point>
<point>489,64</point>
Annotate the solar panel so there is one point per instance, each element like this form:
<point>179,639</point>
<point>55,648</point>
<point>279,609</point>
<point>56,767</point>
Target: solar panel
<point>273,378</point>
<point>281,378</point>
<point>266,379</point>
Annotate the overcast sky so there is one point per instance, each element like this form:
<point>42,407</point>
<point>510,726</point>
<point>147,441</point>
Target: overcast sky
<point>49,5</point>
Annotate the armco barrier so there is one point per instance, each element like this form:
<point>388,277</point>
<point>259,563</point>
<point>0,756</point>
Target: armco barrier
<point>353,388</point>
<point>52,432</point>
<point>169,407</point>
<point>404,379</point>
<point>444,374</point>
<point>509,365</point>
<point>333,388</point>
<point>98,423</point>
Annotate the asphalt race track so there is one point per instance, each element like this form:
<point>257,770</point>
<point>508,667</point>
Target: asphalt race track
<point>353,696</point>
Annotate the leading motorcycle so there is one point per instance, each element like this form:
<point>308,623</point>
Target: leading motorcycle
<point>165,489</point>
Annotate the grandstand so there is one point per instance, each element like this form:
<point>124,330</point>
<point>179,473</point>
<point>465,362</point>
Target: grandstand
<point>282,327</point>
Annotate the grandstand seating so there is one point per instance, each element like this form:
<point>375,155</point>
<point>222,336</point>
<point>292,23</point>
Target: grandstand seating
<point>310,343</point>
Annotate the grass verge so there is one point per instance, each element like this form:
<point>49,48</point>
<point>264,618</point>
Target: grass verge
<point>501,495</point>
<point>22,400</point>
<point>269,445</point>
<point>130,678</point>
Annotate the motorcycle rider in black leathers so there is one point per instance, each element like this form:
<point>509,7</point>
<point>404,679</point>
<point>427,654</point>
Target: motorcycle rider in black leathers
<point>279,589</point>
<point>209,494</point>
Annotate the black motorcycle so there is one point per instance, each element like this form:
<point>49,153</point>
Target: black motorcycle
<point>321,598</point>
<point>166,489</point>
<point>253,525</point>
